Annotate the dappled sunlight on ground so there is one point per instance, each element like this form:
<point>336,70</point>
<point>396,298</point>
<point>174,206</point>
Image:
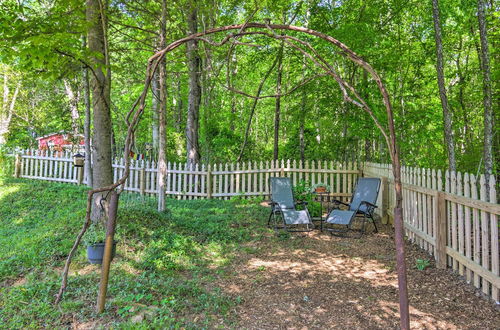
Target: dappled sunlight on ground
<point>317,281</point>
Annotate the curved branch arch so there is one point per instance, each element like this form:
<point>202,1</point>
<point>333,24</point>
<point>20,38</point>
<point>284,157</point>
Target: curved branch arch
<point>138,106</point>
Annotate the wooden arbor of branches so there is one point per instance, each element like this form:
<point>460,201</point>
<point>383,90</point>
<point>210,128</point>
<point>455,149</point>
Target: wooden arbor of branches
<point>349,93</point>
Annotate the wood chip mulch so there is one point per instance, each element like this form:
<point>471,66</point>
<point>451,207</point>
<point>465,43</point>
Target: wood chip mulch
<point>316,281</point>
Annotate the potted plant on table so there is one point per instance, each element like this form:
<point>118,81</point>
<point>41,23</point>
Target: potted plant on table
<point>320,188</point>
<point>94,240</point>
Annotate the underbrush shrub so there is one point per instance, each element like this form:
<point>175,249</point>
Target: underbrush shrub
<point>6,162</point>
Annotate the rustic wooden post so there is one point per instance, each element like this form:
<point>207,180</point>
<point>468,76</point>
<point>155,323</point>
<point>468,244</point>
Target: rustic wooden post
<point>441,230</point>
<point>108,250</point>
<point>19,162</point>
<point>209,182</point>
<point>384,201</point>
<point>80,175</point>
<point>142,181</point>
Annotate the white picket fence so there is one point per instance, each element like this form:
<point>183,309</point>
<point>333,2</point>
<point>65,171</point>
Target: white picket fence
<point>449,215</point>
<point>222,181</point>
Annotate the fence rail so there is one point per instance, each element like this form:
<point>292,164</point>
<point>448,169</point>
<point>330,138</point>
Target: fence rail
<point>452,216</point>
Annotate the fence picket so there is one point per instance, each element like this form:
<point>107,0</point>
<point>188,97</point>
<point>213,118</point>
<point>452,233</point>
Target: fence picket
<point>460,223</point>
<point>255,189</point>
<point>477,230</point>
<point>495,290</point>
<point>468,231</point>
<point>485,253</point>
<point>250,178</point>
<point>226,180</point>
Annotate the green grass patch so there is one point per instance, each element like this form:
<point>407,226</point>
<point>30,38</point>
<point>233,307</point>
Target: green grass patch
<point>162,276</point>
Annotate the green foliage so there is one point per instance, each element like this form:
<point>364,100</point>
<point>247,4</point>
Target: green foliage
<point>422,264</point>
<point>40,42</point>
<point>96,233</point>
<point>6,162</point>
<point>165,264</point>
<point>302,193</point>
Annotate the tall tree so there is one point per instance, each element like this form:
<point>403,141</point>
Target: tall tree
<point>100,84</point>
<point>448,130</point>
<point>155,105</point>
<point>162,110</point>
<point>487,97</point>
<point>86,124</point>
<point>277,109</point>
<point>194,97</point>
<point>74,98</point>
<point>7,110</point>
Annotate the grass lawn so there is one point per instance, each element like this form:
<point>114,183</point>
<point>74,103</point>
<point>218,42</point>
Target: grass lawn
<point>213,264</point>
<point>165,263</point>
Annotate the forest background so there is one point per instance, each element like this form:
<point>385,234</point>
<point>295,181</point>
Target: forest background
<point>256,98</point>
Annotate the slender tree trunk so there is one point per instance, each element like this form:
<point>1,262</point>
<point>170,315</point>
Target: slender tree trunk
<point>100,84</point>
<point>179,103</point>
<point>233,95</point>
<point>277,110</point>
<point>303,111</point>
<point>162,113</point>
<point>448,130</point>
<point>155,109</point>
<point>487,94</point>
<point>73,97</point>
<point>86,125</point>
<point>194,97</point>
<point>8,108</point>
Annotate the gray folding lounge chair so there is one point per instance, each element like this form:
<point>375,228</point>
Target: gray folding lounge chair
<point>284,215</point>
<point>362,206</point>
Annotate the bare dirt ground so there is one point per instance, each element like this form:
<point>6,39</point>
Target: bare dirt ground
<point>315,281</point>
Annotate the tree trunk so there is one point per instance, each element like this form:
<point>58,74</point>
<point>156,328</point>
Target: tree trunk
<point>487,94</point>
<point>303,110</point>
<point>7,108</point>
<point>277,110</point>
<point>194,97</point>
<point>162,113</point>
<point>86,125</point>
<point>73,97</point>
<point>155,109</point>
<point>178,103</point>
<point>448,130</point>
<point>100,84</point>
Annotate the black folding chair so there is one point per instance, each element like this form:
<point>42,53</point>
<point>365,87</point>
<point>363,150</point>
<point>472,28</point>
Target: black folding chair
<point>362,206</point>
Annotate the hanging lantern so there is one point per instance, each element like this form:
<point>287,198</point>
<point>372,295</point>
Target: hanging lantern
<point>78,160</point>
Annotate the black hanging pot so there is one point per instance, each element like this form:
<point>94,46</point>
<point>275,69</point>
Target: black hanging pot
<point>95,252</point>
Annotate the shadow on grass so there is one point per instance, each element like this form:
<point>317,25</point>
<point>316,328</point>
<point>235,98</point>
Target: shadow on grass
<point>165,262</point>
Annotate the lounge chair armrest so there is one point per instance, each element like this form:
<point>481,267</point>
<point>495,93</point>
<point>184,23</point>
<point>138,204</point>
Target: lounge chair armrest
<point>301,203</point>
<point>369,207</point>
<point>369,204</point>
<point>336,202</point>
